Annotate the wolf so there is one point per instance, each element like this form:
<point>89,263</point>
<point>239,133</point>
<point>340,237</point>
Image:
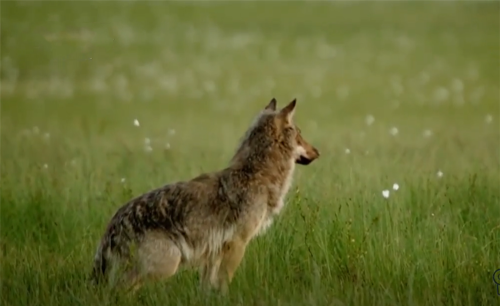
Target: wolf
<point>207,222</point>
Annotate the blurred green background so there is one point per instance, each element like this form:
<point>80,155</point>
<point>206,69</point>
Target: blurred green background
<point>403,92</point>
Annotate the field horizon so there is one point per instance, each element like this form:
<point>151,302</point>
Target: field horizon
<point>102,101</point>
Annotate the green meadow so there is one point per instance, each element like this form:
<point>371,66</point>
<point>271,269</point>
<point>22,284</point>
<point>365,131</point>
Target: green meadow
<point>104,100</point>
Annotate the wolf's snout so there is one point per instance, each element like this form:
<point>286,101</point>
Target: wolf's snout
<point>308,157</point>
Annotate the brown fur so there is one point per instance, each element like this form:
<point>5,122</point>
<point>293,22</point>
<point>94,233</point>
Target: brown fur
<point>206,222</point>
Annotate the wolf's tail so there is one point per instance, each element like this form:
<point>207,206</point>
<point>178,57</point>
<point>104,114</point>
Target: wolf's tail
<point>100,267</point>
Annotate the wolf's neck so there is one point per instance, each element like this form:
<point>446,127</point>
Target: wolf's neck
<point>271,170</point>
<point>261,157</point>
<point>275,176</point>
<point>270,165</point>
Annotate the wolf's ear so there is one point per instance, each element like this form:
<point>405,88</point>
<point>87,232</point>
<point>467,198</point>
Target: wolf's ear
<point>288,111</point>
<point>271,105</point>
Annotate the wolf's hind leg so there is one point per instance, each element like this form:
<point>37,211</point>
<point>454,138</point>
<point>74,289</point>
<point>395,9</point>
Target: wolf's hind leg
<point>131,281</point>
<point>124,276</point>
<point>159,257</point>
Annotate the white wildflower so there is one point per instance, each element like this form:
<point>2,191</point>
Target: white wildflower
<point>386,193</point>
<point>457,85</point>
<point>394,131</point>
<point>440,173</point>
<point>441,94</point>
<point>343,92</point>
<point>136,122</point>
<point>424,77</point>
<point>347,151</point>
<point>369,120</point>
<point>395,186</point>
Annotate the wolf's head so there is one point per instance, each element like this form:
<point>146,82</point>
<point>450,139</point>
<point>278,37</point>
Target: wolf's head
<point>274,135</point>
<point>288,132</point>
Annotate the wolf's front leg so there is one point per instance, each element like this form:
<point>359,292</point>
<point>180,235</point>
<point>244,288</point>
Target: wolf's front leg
<point>232,255</point>
<point>208,272</point>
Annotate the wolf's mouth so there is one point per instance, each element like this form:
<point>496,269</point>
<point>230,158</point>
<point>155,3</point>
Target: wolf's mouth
<point>302,160</point>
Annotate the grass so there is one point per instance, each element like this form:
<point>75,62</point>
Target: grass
<point>75,75</point>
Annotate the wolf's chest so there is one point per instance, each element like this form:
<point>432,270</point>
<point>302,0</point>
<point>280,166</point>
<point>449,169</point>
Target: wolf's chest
<point>274,210</point>
<point>287,183</point>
